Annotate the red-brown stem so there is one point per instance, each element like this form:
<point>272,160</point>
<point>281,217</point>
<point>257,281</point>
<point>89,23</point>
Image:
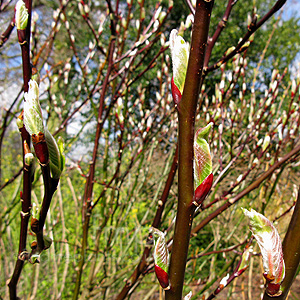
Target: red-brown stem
<point>25,215</point>
<point>236,273</point>
<point>26,195</point>
<point>50,185</point>
<point>186,116</point>
<point>143,264</point>
<point>291,252</point>
<point>6,34</point>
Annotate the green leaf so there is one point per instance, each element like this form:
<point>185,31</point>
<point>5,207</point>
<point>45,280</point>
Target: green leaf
<point>60,143</point>
<point>57,159</point>
<point>202,157</point>
<point>33,119</point>
<point>161,253</point>
<point>180,56</point>
<point>21,15</point>
<point>270,246</point>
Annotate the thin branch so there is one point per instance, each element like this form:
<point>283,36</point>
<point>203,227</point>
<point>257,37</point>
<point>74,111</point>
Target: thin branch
<point>12,179</point>
<point>190,6</point>
<point>252,28</point>
<point>6,34</point>
<point>26,195</point>
<point>222,24</point>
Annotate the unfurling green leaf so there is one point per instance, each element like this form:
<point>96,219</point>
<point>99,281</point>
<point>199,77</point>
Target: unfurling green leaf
<point>270,246</point>
<point>180,55</point>
<point>202,157</point>
<point>21,15</point>
<point>47,242</point>
<point>161,258</point>
<point>33,119</point>
<point>57,159</point>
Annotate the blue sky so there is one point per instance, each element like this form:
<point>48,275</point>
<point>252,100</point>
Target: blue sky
<point>291,8</point>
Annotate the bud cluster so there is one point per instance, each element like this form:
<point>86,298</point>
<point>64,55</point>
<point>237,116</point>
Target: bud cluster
<point>46,148</point>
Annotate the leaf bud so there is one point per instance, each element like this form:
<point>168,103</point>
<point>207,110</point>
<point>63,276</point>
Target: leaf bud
<point>270,245</point>
<point>19,121</point>
<point>86,9</point>
<point>35,75</point>
<point>180,55</point>
<point>245,259</point>
<point>47,242</point>
<point>224,281</point>
<point>294,86</point>
<point>63,18</point>
<point>81,9</point>
<point>202,157</point>
<point>29,159</point>
<point>56,156</point>
<point>33,119</point>
<point>35,258</point>
<point>245,46</point>
<point>203,177</point>
<point>157,13</point>
<point>229,50</point>
<point>33,245</point>
<point>266,142</point>
<point>189,21</point>
<point>161,258</point>
<point>21,15</point>
<point>162,16</point>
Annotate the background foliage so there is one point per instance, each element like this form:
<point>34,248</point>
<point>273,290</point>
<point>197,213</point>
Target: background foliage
<point>138,141</point>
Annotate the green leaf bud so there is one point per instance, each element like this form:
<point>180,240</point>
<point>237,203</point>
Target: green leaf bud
<point>21,15</point>
<point>33,118</point>
<point>35,258</point>
<point>180,56</point>
<point>57,159</point>
<point>202,157</point>
<point>270,246</point>
<point>47,242</point>
<point>20,122</point>
<point>161,258</point>
<point>29,159</point>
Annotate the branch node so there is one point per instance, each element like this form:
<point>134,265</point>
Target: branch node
<point>24,214</point>
<point>23,255</point>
